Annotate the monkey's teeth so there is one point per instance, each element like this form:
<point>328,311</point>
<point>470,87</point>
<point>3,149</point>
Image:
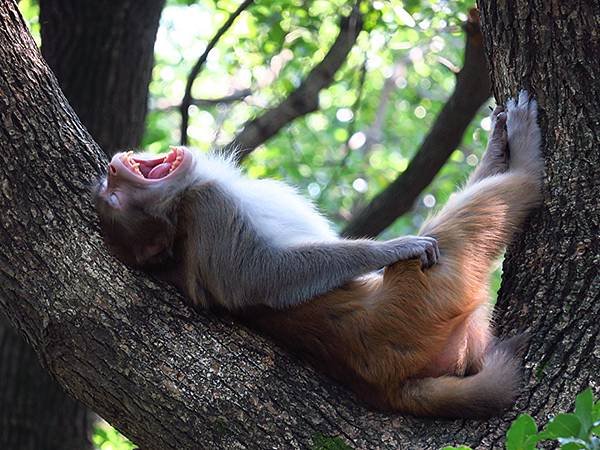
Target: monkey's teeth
<point>176,163</point>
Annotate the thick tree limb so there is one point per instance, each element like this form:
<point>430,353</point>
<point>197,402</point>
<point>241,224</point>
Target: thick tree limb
<point>305,98</point>
<point>166,376</point>
<point>33,407</point>
<point>102,53</point>
<point>172,378</point>
<point>187,96</point>
<point>472,89</point>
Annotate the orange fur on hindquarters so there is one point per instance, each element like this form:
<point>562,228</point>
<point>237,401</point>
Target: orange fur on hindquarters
<point>410,340</point>
<point>404,339</point>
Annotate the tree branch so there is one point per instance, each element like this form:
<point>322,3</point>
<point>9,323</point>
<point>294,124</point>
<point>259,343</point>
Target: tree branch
<point>472,89</point>
<point>305,98</point>
<point>187,96</point>
<point>234,97</point>
<point>165,375</point>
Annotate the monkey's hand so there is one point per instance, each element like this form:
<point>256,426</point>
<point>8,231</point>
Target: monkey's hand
<point>424,248</point>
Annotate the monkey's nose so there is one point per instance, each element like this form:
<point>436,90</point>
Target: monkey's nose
<point>112,169</point>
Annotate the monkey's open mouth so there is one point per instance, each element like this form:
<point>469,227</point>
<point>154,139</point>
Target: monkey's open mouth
<point>153,168</point>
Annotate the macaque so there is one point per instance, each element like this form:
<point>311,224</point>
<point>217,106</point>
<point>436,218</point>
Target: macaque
<point>231,240</point>
<point>413,338</point>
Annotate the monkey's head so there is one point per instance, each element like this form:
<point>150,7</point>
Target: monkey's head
<point>137,204</point>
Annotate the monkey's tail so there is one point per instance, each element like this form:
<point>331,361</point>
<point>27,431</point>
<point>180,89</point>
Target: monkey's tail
<point>487,393</point>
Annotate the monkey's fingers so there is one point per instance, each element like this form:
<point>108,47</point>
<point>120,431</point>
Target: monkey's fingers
<point>431,253</point>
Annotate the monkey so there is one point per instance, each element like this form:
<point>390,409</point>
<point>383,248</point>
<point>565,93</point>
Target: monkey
<point>249,241</point>
<point>414,338</point>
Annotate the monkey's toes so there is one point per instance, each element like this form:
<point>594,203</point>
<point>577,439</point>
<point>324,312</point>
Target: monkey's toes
<point>524,106</point>
<point>498,135</point>
<point>497,110</point>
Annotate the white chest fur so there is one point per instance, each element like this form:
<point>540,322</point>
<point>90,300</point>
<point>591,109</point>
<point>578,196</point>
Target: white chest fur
<point>275,209</point>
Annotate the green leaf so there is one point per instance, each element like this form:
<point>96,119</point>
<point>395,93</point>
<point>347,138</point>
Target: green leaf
<point>584,404</point>
<point>572,445</point>
<point>596,411</point>
<point>565,425</point>
<point>323,442</point>
<point>519,435</point>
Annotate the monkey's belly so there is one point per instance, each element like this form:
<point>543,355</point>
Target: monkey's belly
<point>452,360</point>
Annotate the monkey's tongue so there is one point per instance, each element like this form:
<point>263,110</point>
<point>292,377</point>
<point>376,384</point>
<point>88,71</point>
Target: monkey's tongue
<point>160,171</point>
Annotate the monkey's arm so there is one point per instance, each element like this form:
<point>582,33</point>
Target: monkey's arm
<point>294,275</point>
<point>241,266</point>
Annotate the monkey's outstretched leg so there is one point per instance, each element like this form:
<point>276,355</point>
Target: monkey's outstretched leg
<point>472,229</point>
<point>477,223</point>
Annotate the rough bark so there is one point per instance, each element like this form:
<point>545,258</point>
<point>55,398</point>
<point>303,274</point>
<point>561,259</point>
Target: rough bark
<point>35,412</point>
<point>551,283</point>
<point>173,378</point>
<point>103,58</point>
<point>102,53</point>
<point>471,90</point>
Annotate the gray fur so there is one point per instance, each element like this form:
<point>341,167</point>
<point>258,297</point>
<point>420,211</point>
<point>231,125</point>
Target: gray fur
<point>240,267</point>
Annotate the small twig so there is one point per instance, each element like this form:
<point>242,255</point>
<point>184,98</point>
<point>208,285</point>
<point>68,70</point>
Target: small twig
<point>471,90</point>
<point>237,96</point>
<point>227,99</point>
<point>187,96</point>
<point>305,98</point>
<point>448,65</point>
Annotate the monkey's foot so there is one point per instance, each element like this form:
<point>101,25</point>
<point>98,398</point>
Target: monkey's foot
<point>524,136</point>
<point>495,159</point>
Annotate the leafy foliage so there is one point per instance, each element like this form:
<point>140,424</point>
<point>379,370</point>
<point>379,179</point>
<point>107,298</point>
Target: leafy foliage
<point>106,437</point>
<point>363,136</point>
<point>572,431</point>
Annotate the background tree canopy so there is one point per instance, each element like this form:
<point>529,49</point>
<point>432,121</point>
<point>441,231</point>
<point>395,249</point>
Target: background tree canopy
<point>371,120</point>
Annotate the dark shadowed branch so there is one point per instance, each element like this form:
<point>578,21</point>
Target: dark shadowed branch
<point>472,89</point>
<point>234,97</point>
<point>187,96</point>
<point>305,98</point>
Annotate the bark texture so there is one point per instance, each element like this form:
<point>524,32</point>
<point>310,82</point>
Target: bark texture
<point>103,57</point>
<point>102,53</point>
<point>35,412</point>
<point>551,283</point>
<point>169,377</point>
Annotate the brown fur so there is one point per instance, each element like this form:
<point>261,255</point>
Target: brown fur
<point>410,339</point>
<point>403,340</point>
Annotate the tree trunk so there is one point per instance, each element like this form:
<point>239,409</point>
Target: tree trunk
<point>170,377</point>
<point>103,56</point>
<point>551,284</point>
<point>35,412</point>
<point>102,53</point>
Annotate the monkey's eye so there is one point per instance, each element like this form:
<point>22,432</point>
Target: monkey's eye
<point>113,200</point>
